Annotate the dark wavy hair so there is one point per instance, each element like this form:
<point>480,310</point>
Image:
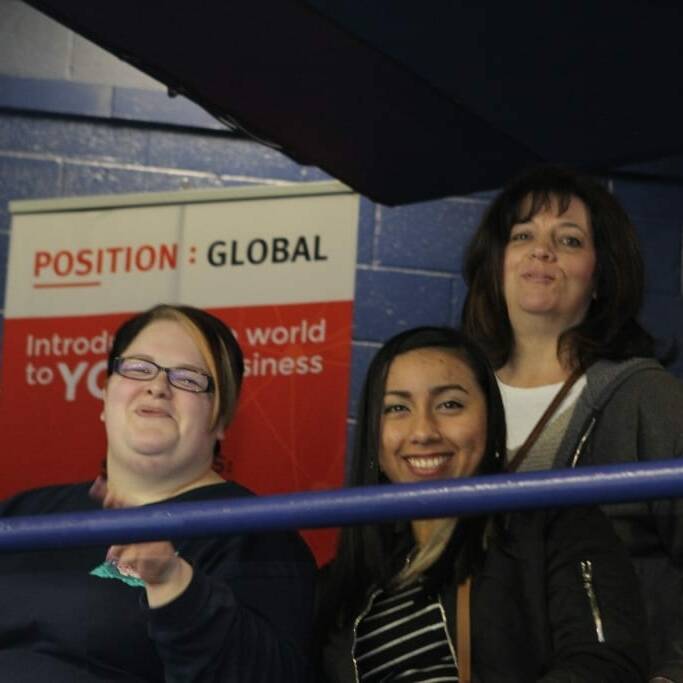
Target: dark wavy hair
<point>369,555</point>
<point>217,345</point>
<point>610,328</point>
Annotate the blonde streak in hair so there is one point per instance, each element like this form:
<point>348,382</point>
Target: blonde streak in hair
<point>225,395</point>
<point>205,351</point>
<point>222,402</point>
<point>225,409</point>
<point>428,554</point>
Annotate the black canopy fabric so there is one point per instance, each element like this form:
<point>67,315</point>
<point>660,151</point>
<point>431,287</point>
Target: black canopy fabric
<point>408,101</point>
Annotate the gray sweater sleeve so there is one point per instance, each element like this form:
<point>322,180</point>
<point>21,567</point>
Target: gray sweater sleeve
<point>643,421</point>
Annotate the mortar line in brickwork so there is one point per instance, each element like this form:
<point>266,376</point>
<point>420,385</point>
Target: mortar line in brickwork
<point>361,342</point>
<point>70,56</point>
<point>33,156</point>
<point>61,176</point>
<point>465,199</point>
<point>402,269</point>
<point>254,179</point>
<point>377,229</point>
<point>123,166</point>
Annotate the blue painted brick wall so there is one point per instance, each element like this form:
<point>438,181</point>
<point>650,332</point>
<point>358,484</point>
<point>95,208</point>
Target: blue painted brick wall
<point>409,258</point>
<point>429,235</point>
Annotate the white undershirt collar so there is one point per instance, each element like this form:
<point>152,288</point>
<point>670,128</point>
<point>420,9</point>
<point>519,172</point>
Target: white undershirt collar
<point>524,406</point>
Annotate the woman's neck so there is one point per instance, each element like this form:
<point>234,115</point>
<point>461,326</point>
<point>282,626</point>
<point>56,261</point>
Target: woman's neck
<point>132,489</point>
<point>423,530</point>
<point>534,362</point>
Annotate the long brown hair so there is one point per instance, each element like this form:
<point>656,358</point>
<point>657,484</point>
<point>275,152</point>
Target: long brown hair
<point>610,328</point>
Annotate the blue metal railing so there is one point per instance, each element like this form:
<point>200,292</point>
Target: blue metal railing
<point>338,507</point>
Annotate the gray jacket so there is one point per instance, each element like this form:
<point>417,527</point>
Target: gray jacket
<point>631,412</point>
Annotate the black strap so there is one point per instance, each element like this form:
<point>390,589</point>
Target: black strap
<point>524,449</point>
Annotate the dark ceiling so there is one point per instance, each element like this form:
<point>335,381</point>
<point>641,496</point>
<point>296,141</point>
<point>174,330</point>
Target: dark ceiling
<point>412,101</point>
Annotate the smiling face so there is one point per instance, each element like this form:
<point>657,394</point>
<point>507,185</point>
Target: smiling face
<point>152,427</point>
<point>434,418</point>
<point>549,266</point>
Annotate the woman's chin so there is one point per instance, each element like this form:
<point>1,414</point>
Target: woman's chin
<point>539,307</point>
<point>151,448</point>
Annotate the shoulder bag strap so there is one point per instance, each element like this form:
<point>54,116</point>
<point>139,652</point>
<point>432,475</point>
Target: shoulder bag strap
<point>463,645</point>
<point>524,449</point>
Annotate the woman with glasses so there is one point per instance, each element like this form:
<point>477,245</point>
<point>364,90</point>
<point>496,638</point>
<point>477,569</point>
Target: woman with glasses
<point>229,608</point>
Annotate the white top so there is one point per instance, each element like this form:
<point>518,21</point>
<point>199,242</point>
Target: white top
<point>524,407</point>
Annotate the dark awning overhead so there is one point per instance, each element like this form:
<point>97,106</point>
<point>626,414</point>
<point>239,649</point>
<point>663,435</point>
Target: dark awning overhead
<point>412,101</point>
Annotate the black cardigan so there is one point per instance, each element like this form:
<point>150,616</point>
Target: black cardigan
<point>531,612</point>
<point>246,615</point>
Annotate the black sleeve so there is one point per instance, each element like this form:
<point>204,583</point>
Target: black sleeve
<point>594,602</point>
<point>251,625</point>
<point>49,499</point>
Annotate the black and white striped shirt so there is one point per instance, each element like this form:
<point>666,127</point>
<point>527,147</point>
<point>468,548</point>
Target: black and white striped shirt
<point>402,636</point>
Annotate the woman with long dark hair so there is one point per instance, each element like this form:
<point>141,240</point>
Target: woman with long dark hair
<point>532,596</point>
<point>556,281</point>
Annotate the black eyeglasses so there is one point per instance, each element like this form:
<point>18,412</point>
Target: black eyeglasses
<point>144,370</point>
